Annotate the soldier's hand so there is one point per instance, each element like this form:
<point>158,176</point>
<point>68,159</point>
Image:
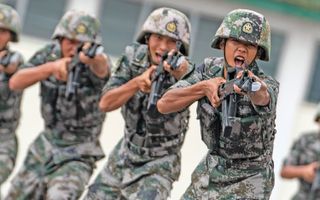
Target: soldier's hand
<point>2,53</point>
<point>100,64</point>
<point>60,68</point>
<point>98,59</point>
<point>11,68</point>
<point>182,65</point>
<point>144,80</point>
<point>95,59</point>
<point>259,86</point>
<point>310,172</point>
<point>211,90</point>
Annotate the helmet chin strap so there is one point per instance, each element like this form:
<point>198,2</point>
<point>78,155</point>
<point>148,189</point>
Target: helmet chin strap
<point>230,71</point>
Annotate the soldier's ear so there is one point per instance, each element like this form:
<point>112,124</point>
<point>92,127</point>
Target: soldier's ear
<point>260,52</point>
<point>146,38</point>
<point>222,44</point>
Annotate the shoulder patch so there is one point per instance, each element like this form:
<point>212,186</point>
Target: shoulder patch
<point>140,53</point>
<point>213,66</point>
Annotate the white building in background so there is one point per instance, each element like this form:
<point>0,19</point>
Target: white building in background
<point>295,63</point>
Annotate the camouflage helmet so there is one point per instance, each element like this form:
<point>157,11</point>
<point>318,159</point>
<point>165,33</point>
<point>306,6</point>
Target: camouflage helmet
<point>248,26</point>
<point>78,25</point>
<point>9,19</point>
<point>317,117</point>
<point>168,22</point>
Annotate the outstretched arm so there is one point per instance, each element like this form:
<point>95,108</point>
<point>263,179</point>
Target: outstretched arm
<point>178,98</point>
<point>100,65</point>
<point>26,77</point>
<point>306,172</point>
<point>118,96</point>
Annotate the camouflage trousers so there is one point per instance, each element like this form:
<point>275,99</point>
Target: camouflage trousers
<point>8,153</point>
<point>131,176</point>
<point>40,179</point>
<point>214,178</point>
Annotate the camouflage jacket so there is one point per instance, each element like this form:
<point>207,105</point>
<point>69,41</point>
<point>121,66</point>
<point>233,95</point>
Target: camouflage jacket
<point>304,151</point>
<point>75,120</point>
<point>9,103</point>
<point>255,132</point>
<point>146,135</point>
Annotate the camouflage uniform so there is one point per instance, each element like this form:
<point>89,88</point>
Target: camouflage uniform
<point>305,151</point>
<point>9,100</point>
<point>60,161</point>
<point>146,161</point>
<point>239,165</point>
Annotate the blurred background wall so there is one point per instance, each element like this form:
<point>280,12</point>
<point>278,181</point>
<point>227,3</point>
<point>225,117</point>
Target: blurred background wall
<point>295,63</point>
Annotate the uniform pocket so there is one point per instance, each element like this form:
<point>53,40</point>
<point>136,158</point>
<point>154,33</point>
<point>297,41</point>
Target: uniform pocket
<point>80,110</point>
<point>245,139</point>
<point>209,123</point>
<point>49,95</point>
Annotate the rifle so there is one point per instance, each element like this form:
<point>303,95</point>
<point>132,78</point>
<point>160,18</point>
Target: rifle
<point>230,98</point>
<point>76,66</point>
<point>159,77</point>
<point>8,58</point>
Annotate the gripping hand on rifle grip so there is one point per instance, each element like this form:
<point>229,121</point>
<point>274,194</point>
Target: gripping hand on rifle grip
<point>89,52</point>
<point>60,68</point>
<point>9,61</point>
<point>144,80</point>
<point>92,49</point>
<point>176,64</point>
<point>93,56</point>
<point>245,82</point>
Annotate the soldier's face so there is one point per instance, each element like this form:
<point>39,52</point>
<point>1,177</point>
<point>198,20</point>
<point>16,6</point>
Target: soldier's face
<point>69,47</point>
<point>238,53</point>
<point>158,45</point>
<point>5,37</point>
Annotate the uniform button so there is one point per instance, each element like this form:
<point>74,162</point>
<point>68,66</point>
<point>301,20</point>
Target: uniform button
<point>220,168</point>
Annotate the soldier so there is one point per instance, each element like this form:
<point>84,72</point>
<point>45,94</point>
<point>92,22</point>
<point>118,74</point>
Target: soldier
<point>146,161</point>
<point>303,162</point>
<point>239,162</point>
<point>61,160</point>
<point>10,101</point>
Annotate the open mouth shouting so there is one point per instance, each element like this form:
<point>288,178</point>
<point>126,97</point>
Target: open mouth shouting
<point>239,61</point>
<point>157,58</point>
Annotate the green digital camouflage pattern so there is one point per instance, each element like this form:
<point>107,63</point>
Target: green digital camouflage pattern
<point>218,178</point>
<point>78,25</point>
<point>146,161</point>
<point>248,26</point>
<point>44,176</point>
<point>71,136</point>
<point>305,150</point>
<point>128,175</point>
<point>237,166</point>
<point>9,19</point>
<point>168,22</point>
<point>10,102</point>
<point>8,153</point>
